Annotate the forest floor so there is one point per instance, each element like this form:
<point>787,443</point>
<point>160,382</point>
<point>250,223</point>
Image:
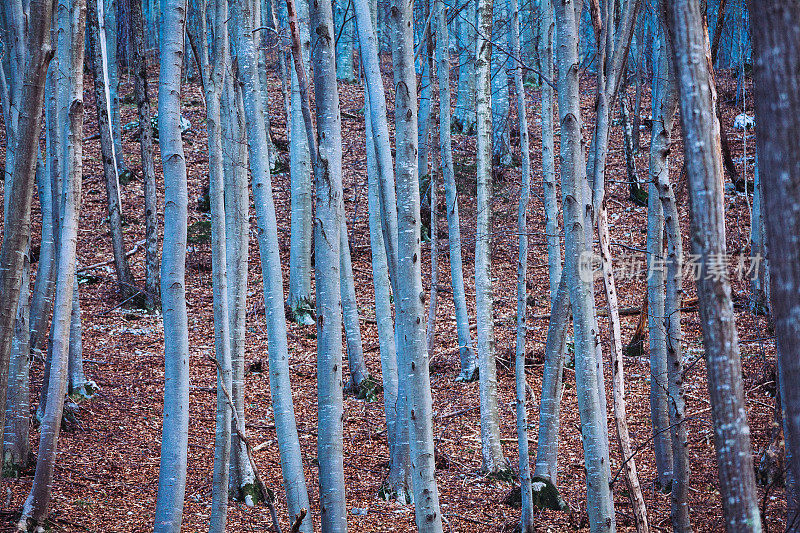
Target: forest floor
<point>106,475</point>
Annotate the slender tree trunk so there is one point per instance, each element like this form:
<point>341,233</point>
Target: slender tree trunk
<point>111,30</point>
<point>44,286</point>
<point>759,282</point>
<point>464,116</point>
<point>552,386</point>
<point>776,47</point>
<point>359,374</point>
<point>672,319</point>
<point>398,484</point>
<point>491,448</point>
<point>175,433</point>
<point>618,379</point>
<point>343,39</point>
<point>704,169</point>
<point>280,385</point>
<point>501,108</point>
<point>214,61</point>
<point>526,520</point>
<point>327,252</point>
<point>548,151</point>
<point>433,294</point>
<point>591,393</point>
<point>17,222</point>
<point>717,37</point>
<point>152,279</point>
<point>98,51</point>
<point>413,363</point>
<point>663,110</point>
<point>34,511</point>
<point>300,299</point>
<point>469,367</point>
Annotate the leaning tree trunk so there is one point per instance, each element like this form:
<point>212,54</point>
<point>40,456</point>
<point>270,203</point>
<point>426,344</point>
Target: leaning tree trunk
<point>398,483</point>
<point>591,402</point>
<point>526,520</point>
<point>703,163</point>
<point>491,448</point>
<point>413,364</point>
<point>280,385</point>
<point>360,379</point>
<point>175,433</point>
<point>17,221</point>
<point>469,368</point>
<point>327,157</point>
<point>776,47</point>
<point>152,279</point>
<point>34,511</point>
<point>99,57</point>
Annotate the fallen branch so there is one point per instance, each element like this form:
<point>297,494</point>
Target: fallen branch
<point>104,263</point>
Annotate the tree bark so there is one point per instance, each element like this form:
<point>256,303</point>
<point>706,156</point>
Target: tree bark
<point>280,385</point>
<point>776,47</point>
<point>704,169</point>
<point>175,433</point>
<point>34,511</point>
<point>152,279</point>
<point>413,363</point>
<point>17,221</point>
<point>98,51</point>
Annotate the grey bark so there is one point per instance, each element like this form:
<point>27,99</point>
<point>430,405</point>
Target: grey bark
<point>491,448</point>
<point>280,385</point>
<point>34,511</point>
<point>152,279</point>
<point>703,162</point>
<point>98,51</point>
<point>327,156</point>
<point>174,437</point>
<point>464,116</point>
<point>526,519</point>
<point>413,363</point>
<point>588,367</point>
<point>663,110</point>
<point>466,351</point>
<point>776,47</point>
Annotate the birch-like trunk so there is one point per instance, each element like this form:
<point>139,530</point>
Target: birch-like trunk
<point>546,28</point>
<point>111,29</point>
<point>34,511</point>
<point>413,362</point>
<point>328,254</point>
<point>491,448</point>
<point>214,60</point>
<point>588,374</point>
<point>703,161</point>
<point>360,380</point>
<point>175,432</point>
<point>526,493</point>
<point>398,483</point>
<point>280,385</point>
<point>466,351</point>
<point>300,299</point>
<point>776,47</point>
<point>152,278</point>
<point>501,107</point>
